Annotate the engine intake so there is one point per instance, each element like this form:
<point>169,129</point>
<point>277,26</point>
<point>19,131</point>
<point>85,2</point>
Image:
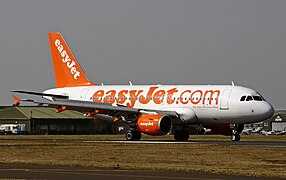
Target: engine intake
<point>154,124</point>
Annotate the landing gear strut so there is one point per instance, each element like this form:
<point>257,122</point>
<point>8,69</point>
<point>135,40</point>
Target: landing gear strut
<point>133,135</point>
<point>237,129</point>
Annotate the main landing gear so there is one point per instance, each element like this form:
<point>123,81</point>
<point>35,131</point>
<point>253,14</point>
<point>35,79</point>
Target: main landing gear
<point>181,135</point>
<point>237,129</point>
<point>133,135</point>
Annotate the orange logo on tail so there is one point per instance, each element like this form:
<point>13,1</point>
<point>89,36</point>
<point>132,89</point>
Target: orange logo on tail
<point>68,72</point>
<point>66,59</point>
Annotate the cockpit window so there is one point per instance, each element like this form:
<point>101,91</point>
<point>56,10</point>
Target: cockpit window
<point>257,98</point>
<point>242,98</point>
<point>261,96</point>
<point>249,98</point>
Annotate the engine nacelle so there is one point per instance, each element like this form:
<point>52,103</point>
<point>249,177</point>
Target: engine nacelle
<point>154,124</point>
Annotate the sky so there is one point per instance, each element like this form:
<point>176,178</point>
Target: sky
<point>147,42</point>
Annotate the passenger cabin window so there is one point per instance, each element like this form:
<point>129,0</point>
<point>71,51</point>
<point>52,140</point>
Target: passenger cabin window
<point>242,98</point>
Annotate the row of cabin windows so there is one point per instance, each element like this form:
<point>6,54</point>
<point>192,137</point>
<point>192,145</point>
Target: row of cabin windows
<point>159,98</point>
<point>251,98</point>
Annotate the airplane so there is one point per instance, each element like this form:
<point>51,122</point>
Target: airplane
<point>151,109</point>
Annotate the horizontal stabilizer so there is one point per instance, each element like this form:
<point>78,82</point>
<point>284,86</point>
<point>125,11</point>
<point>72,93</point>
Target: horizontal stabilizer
<point>16,101</point>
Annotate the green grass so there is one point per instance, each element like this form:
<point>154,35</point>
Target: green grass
<point>217,159</point>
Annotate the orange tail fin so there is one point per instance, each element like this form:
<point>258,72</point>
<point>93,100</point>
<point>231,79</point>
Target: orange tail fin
<point>68,72</point>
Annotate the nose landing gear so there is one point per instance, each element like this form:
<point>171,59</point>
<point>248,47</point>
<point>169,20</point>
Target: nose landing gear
<point>237,129</point>
<point>235,137</point>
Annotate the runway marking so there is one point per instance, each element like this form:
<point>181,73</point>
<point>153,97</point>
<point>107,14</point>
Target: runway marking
<point>225,143</point>
<point>261,145</point>
<point>144,142</point>
<point>72,172</point>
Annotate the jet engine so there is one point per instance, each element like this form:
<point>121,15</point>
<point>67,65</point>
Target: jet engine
<point>154,124</point>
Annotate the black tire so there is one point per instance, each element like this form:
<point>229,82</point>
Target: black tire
<point>181,135</point>
<point>186,136</point>
<point>137,136</point>
<point>133,135</point>
<point>129,135</point>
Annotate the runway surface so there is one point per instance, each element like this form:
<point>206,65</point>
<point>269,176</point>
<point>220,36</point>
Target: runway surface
<point>17,171</point>
<point>228,143</point>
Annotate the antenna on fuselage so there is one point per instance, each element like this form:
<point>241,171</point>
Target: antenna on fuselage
<point>232,83</point>
<point>102,84</point>
<point>130,83</point>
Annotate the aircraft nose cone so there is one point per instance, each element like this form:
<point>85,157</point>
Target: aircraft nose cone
<point>268,110</point>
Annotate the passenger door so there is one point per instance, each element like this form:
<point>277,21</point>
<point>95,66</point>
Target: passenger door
<point>224,99</point>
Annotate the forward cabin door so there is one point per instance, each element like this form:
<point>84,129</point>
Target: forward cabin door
<point>224,99</point>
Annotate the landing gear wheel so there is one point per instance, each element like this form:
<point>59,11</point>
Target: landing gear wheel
<point>235,137</point>
<point>181,135</point>
<point>137,135</point>
<point>133,135</point>
<point>236,132</point>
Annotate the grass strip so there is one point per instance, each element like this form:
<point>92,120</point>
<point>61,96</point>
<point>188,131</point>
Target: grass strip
<point>217,159</point>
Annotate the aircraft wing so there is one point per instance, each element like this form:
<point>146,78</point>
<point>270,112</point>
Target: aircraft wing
<point>83,106</point>
<point>62,103</point>
<point>40,94</point>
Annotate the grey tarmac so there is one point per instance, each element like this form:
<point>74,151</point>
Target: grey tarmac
<point>23,171</point>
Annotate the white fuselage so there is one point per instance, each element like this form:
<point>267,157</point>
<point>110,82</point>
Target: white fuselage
<point>200,104</point>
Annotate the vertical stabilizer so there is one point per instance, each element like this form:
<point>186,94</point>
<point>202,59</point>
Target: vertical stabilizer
<point>68,72</point>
